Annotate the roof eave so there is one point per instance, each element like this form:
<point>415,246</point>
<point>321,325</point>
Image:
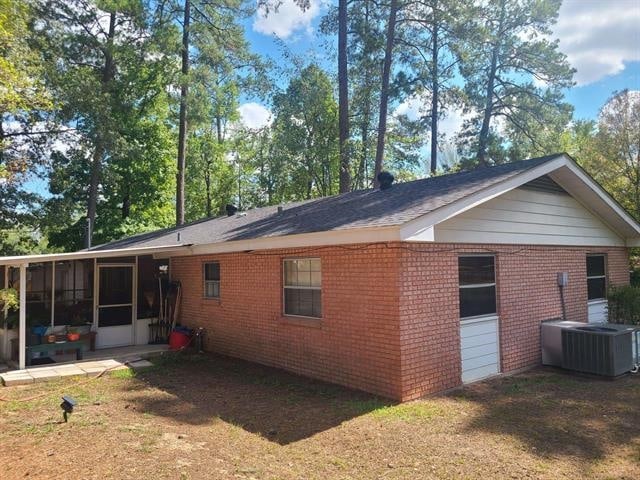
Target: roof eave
<point>89,254</point>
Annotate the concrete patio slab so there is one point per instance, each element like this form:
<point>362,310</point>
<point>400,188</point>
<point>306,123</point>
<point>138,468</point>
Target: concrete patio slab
<point>98,362</point>
<point>140,364</point>
<point>14,380</point>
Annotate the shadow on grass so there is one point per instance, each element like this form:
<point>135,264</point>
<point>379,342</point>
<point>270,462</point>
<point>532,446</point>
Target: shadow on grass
<point>556,414</point>
<point>279,406</point>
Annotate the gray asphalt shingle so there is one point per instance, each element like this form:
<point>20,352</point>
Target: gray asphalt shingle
<point>360,209</point>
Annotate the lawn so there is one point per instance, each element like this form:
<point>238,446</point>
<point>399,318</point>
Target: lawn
<point>210,417</point>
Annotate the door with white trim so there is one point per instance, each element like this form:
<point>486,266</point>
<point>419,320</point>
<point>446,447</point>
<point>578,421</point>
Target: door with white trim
<point>479,341</point>
<point>115,312</point>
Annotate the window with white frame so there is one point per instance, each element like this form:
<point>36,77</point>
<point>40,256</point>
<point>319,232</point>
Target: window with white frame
<point>477,282</point>
<point>303,287</point>
<point>596,277</point>
<point>212,280</point>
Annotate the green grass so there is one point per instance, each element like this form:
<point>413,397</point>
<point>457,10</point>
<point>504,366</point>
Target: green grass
<point>413,411</point>
<point>384,410</point>
<point>123,374</point>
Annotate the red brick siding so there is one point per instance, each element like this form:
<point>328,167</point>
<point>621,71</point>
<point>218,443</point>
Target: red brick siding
<point>390,311</point>
<point>527,294</point>
<point>357,342</point>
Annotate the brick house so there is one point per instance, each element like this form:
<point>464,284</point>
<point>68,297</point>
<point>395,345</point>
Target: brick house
<point>402,291</point>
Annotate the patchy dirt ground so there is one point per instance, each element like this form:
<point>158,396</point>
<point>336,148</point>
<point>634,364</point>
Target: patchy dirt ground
<point>211,417</point>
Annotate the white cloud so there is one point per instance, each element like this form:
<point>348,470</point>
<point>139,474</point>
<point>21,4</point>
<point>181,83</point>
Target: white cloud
<point>415,107</point>
<point>254,115</point>
<point>599,36</point>
<point>287,19</point>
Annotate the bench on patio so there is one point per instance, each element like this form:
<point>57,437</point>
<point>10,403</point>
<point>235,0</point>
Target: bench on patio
<point>52,347</point>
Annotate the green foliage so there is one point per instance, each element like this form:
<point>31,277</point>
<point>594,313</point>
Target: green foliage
<point>223,69</point>
<point>618,143</point>
<point>9,300</point>
<point>9,303</point>
<point>624,305</point>
<point>306,136</point>
<point>111,86</point>
<point>513,73</point>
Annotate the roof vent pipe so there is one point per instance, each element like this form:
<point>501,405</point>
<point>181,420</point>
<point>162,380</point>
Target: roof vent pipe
<point>280,209</point>
<point>385,179</point>
<point>231,210</point>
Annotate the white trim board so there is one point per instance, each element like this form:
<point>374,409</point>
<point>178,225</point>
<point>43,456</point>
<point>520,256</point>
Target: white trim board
<point>87,254</point>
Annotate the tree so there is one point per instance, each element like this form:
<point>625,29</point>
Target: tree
<point>223,69</point>
<point>384,90</point>
<point>24,102</point>
<point>432,30</point>
<point>618,140</point>
<point>306,135</point>
<point>208,14</point>
<point>343,98</point>
<point>182,122</point>
<point>106,69</point>
<point>365,51</point>
<point>513,73</point>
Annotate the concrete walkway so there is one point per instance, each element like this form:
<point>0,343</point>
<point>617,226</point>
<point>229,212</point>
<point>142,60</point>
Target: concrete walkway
<point>114,359</point>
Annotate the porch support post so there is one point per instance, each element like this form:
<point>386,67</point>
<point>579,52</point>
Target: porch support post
<point>22,329</point>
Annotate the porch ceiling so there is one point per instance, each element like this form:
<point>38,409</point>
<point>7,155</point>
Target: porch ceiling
<point>84,254</point>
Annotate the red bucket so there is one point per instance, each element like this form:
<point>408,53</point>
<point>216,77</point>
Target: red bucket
<point>178,340</point>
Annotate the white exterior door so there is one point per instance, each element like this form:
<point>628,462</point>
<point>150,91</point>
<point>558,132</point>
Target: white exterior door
<point>115,312</point>
<point>479,348</point>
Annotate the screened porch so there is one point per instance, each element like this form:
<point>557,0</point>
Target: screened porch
<point>82,302</point>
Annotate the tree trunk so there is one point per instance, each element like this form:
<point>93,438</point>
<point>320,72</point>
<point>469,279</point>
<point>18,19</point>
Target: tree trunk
<point>384,92</point>
<point>182,129</point>
<point>94,182</point>
<point>483,138</point>
<point>343,98</point>
<point>434,96</point>
<point>99,149</point>
<point>207,181</point>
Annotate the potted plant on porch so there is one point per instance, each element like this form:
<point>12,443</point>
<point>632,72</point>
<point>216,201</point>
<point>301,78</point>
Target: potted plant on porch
<point>73,335</point>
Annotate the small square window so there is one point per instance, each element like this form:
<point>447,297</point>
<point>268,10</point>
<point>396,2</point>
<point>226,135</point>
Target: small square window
<point>212,280</point>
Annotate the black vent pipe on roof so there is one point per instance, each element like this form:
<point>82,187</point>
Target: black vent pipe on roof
<point>231,210</point>
<point>385,179</point>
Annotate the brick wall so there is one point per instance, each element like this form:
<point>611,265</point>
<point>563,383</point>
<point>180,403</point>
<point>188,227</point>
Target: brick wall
<point>355,344</point>
<point>390,311</point>
<point>527,294</point>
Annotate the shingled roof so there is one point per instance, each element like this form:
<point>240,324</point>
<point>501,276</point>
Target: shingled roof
<point>359,209</point>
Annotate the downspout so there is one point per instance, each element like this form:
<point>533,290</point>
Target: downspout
<point>22,328</point>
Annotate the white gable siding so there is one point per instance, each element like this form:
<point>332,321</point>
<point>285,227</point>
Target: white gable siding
<point>524,216</point>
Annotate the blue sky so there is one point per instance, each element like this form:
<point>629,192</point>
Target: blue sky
<point>600,37</point>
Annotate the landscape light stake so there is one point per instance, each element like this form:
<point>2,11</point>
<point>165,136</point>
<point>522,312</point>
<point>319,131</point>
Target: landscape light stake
<point>67,407</point>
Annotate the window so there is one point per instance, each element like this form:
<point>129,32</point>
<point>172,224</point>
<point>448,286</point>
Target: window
<point>477,282</point>
<point>212,280</point>
<point>303,287</point>
<point>596,277</point>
